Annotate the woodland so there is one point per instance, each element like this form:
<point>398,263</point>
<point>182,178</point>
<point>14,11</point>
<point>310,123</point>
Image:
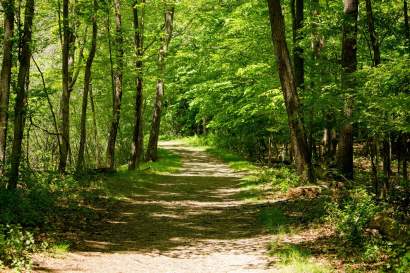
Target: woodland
<point>307,101</point>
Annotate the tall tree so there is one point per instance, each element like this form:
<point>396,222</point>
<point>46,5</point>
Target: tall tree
<point>406,22</point>
<point>349,66</point>
<point>137,137</point>
<point>160,88</point>
<point>118,70</point>
<point>20,107</point>
<point>297,26</point>
<point>298,60</point>
<point>5,76</point>
<point>87,86</point>
<point>65,97</point>
<point>296,126</point>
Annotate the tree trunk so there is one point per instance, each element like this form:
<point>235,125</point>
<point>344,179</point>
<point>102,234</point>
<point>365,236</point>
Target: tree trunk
<point>297,25</point>
<point>406,22</point>
<point>386,154</point>
<point>5,77</point>
<point>349,64</point>
<point>156,117</point>
<point>65,97</point>
<point>137,136</point>
<point>119,40</point>
<point>303,160</point>
<point>87,85</point>
<point>20,107</point>
<point>95,130</point>
<point>373,35</point>
<point>298,60</point>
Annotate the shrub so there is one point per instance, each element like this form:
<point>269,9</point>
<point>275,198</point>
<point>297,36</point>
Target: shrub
<point>353,215</point>
<point>15,246</point>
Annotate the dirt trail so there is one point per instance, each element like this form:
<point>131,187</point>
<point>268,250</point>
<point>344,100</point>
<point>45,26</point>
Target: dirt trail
<point>193,221</point>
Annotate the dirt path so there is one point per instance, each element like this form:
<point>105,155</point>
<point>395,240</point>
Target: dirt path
<point>193,221</point>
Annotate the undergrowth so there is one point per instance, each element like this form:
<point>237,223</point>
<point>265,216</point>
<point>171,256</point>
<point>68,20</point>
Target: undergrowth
<point>47,204</point>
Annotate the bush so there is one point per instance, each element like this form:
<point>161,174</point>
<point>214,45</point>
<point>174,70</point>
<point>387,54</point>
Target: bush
<point>282,178</point>
<point>353,215</point>
<point>15,246</point>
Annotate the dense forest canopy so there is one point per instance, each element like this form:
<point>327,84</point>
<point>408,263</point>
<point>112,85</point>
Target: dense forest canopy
<point>219,73</point>
<point>320,85</point>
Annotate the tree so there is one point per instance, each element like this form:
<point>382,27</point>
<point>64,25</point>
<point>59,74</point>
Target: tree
<point>406,22</point>
<point>118,71</point>
<point>160,88</point>
<point>137,136</point>
<point>65,97</point>
<point>20,107</point>
<point>87,86</point>
<point>303,161</point>
<point>5,76</point>
<point>349,65</point>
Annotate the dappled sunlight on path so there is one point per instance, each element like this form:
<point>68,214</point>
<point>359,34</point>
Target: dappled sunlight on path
<point>190,221</point>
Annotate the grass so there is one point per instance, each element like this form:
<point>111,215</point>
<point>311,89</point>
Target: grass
<point>122,183</point>
<point>294,259</point>
<point>59,249</point>
<point>168,163</point>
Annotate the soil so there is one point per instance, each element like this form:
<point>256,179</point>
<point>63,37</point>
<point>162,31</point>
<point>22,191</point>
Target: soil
<point>192,221</point>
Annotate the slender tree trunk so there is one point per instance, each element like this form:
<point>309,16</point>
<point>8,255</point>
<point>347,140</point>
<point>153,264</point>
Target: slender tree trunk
<point>349,64</point>
<point>156,117</point>
<point>110,51</point>
<point>386,146</point>
<point>87,86</point>
<point>373,34</point>
<point>5,76</point>
<point>137,136</point>
<point>298,60</point>
<point>303,162</point>
<point>118,87</point>
<point>406,22</point>
<point>297,25</point>
<point>95,130</point>
<point>20,107</point>
<point>65,97</point>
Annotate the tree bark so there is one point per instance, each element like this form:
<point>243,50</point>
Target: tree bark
<point>118,70</point>
<point>87,86</point>
<point>152,148</point>
<point>373,34</point>
<point>5,77</point>
<point>20,107</point>
<point>297,25</point>
<point>95,130</point>
<point>406,22</point>
<point>298,60</point>
<point>137,136</point>
<point>349,65</point>
<point>303,162</point>
<point>65,97</point>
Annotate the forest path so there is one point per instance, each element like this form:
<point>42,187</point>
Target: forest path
<point>193,221</point>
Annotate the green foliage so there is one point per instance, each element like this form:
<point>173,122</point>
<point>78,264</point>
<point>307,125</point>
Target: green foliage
<point>282,177</point>
<point>274,220</point>
<point>15,246</point>
<point>404,263</point>
<point>353,215</point>
<point>295,259</point>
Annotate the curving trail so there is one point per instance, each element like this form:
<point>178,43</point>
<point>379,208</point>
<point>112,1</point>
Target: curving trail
<point>193,221</point>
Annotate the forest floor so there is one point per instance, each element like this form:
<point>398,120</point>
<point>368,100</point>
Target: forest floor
<point>198,219</point>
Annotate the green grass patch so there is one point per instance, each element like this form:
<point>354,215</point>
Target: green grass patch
<point>167,163</point>
<point>295,259</point>
<point>59,248</point>
<point>274,220</point>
